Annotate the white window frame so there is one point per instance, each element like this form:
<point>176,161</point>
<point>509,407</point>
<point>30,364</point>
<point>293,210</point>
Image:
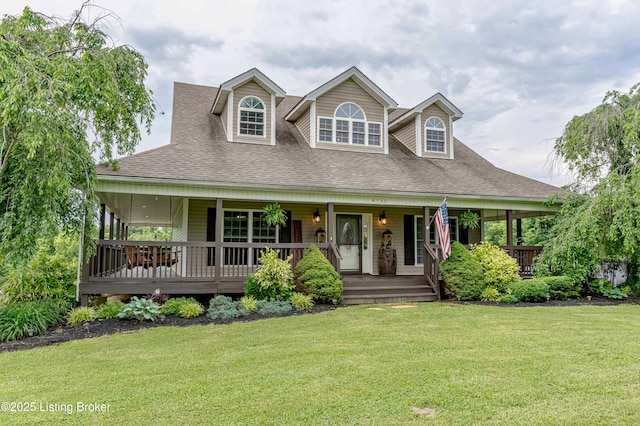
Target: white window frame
<point>437,129</point>
<point>250,212</point>
<point>454,234</point>
<point>350,130</point>
<point>256,110</point>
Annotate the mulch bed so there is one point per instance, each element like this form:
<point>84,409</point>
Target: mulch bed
<point>62,333</point>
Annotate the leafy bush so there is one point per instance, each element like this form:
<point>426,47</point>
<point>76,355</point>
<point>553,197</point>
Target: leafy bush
<point>191,310</point>
<point>462,273</point>
<point>81,315</point>
<point>614,293</point>
<point>274,275</point>
<point>253,289</point>
<point>508,299</point>
<point>490,294</point>
<point>599,285</point>
<point>109,310</point>
<point>49,275</point>
<point>249,303</point>
<point>301,301</point>
<point>172,306</point>
<point>562,287</point>
<point>532,290</point>
<point>16,319</point>
<point>140,309</point>
<point>498,267</point>
<point>223,307</point>
<point>317,277</point>
<point>158,297</point>
<point>265,307</point>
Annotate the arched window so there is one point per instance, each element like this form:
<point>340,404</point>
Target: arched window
<point>349,125</point>
<point>251,118</point>
<point>434,135</point>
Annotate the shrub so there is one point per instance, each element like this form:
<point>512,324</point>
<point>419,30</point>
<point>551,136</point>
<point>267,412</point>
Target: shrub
<point>249,303</point>
<point>158,297</point>
<point>191,310</point>
<point>253,289</point>
<point>490,294</point>
<point>508,299</point>
<point>223,307</point>
<point>140,309</point>
<point>498,267</point>
<point>317,277</point>
<point>614,293</point>
<point>274,275</point>
<point>109,310</point>
<point>81,315</point>
<point>46,277</point>
<point>301,301</point>
<point>462,273</point>
<point>16,319</point>
<point>599,285</point>
<point>274,307</point>
<point>562,287</point>
<point>532,290</point>
<point>172,306</point>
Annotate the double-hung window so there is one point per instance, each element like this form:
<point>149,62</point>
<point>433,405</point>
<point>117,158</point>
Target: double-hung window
<point>419,229</point>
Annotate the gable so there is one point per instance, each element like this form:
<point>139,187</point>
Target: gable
<point>251,89</point>
<point>349,91</point>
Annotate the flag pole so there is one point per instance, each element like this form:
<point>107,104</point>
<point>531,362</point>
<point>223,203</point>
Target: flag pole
<point>433,217</point>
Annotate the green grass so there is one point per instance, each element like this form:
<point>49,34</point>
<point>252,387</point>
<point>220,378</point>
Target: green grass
<point>472,364</point>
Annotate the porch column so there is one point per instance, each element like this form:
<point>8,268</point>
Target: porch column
<point>118,229</point>
<point>510,232</point>
<point>219,237</point>
<point>519,231</point>
<point>103,212</point>
<point>331,232</point>
<point>112,220</point>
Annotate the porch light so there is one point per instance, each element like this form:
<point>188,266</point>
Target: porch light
<point>316,216</point>
<point>382,218</point>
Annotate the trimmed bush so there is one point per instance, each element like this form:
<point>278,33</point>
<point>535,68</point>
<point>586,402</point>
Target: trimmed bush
<point>18,318</point>
<point>490,294</point>
<point>562,287</point>
<point>316,276</point>
<point>274,307</point>
<point>224,308</point>
<point>498,267</point>
<point>172,306</point>
<point>81,315</point>
<point>301,301</point>
<point>462,274</point>
<point>253,289</point>
<point>191,310</point>
<point>274,275</point>
<point>533,290</point>
<point>109,310</point>
<point>508,299</point>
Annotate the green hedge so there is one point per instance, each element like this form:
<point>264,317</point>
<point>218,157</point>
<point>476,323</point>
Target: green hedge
<point>532,290</point>
<point>462,274</point>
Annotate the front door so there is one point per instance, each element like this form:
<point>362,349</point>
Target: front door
<point>349,232</point>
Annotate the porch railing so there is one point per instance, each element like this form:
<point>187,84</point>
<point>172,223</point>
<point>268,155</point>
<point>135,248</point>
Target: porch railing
<point>524,255</point>
<point>185,261</point>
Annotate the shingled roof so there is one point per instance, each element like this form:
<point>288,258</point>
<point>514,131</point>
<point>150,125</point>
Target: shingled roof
<point>199,152</point>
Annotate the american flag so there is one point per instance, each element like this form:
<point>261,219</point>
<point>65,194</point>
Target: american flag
<point>442,226</point>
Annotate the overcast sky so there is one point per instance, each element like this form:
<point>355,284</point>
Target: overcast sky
<point>519,70</point>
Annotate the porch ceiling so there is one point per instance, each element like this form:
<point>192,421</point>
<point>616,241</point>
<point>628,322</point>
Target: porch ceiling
<point>142,209</point>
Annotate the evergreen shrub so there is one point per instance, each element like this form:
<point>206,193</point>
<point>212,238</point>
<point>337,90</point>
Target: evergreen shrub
<point>316,276</point>
<point>532,290</point>
<point>462,274</point>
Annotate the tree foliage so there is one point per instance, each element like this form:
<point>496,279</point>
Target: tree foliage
<point>602,221</point>
<point>67,95</point>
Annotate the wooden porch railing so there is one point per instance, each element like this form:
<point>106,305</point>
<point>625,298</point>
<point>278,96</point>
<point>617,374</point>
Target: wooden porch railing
<point>524,255</point>
<point>431,262</point>
<point>180,267</point>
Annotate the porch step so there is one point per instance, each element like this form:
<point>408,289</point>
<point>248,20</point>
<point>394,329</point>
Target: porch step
<point>363,289</point>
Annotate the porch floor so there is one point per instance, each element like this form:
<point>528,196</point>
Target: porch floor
<point>364,289</point>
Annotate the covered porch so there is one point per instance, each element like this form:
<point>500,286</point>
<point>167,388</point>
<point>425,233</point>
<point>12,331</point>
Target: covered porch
<point>216,244</point>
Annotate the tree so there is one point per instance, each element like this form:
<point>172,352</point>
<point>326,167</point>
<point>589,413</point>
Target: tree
<point>68,95</point>
<point>602,219</point>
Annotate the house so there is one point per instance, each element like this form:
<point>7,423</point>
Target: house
<point>346,163</point>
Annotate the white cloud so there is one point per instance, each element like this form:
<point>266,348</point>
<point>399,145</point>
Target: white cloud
<point>519,70</point>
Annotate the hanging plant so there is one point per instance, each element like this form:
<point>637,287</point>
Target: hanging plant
<point>469,220</point>
<point>274,215</point>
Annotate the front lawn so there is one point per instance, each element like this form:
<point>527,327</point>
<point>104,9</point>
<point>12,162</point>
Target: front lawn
<point>460,364</point>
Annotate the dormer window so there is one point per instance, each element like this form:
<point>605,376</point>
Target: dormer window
<point>349,126</point>
<point>251,119</point>
<point>434,135</point>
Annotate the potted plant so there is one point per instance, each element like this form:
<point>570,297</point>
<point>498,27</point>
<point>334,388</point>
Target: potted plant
<point>469,220</point>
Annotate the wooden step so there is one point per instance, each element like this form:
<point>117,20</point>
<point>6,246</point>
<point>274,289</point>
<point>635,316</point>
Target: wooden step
<point>362,289</point>
<point>388,298</point>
